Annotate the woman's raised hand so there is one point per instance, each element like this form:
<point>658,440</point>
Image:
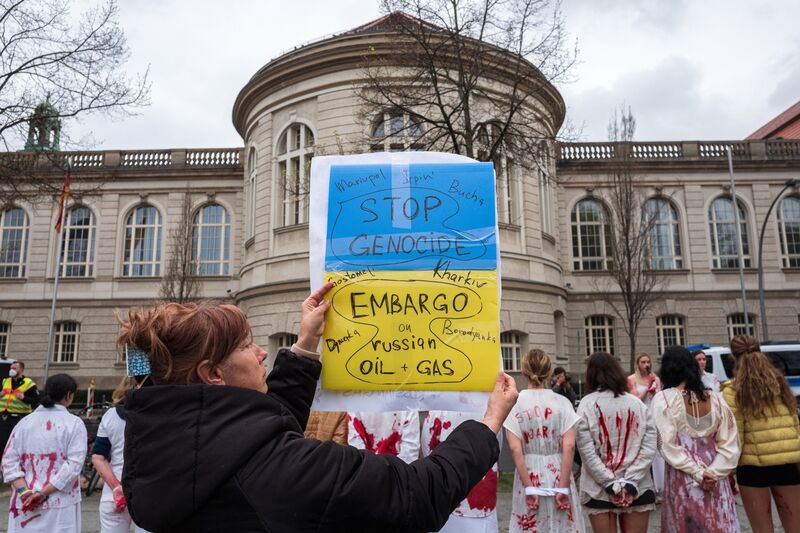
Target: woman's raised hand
<point>312,318</point>
<point>502,400</point>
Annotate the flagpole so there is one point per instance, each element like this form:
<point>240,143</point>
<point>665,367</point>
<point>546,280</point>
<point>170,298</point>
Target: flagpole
<point>51,332</point>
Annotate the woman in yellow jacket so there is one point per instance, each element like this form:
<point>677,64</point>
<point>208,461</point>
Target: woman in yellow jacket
<point>769,432</point>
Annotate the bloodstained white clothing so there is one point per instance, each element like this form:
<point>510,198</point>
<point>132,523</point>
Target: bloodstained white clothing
<point>47,446</point>
<point>388,433</point>
<point>478,512</point>
<point>710,381</point>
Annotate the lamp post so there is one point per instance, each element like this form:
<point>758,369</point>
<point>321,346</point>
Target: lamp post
<point>793,182</point>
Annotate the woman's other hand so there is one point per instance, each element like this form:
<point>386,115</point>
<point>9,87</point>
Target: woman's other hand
<point>312,318</point>
<point>119,499</point>
<point>709,481</point>
<point>562,501</point>
<point>532,502</point>
<point>502,400</point>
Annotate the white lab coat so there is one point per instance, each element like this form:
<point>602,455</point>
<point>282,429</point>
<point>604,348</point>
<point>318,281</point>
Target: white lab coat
<point>47,446</point>
<point>390,433</point>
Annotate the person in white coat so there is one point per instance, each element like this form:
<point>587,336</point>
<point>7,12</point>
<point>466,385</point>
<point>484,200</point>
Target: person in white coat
<point>42,462</point>
<point>107,457</point>
<point>390,433</point>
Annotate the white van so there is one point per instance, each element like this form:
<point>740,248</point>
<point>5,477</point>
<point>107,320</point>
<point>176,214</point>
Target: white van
<point>785,357</point>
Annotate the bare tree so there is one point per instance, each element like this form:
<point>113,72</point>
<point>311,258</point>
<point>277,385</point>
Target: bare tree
<point>631,233</point>
<point>468,76</point>
<point>56,65</point>
<point>179,283</point>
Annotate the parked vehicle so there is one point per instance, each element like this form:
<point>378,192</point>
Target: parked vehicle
<point>784,355</point>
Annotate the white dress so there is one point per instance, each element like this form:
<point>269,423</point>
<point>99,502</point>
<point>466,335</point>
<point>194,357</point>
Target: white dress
<point>47,446</point>
<point>478,512</point>
<point>539,419</point>
<point>390,433</point>
<point>658,462</point>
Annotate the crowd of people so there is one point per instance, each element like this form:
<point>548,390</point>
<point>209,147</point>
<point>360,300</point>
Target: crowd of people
<point>214,444</point>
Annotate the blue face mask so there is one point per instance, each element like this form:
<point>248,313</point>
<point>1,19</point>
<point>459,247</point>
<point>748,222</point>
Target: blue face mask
<point>137,362</point>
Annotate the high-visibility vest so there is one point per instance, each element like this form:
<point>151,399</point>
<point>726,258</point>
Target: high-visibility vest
<point>11,403</point>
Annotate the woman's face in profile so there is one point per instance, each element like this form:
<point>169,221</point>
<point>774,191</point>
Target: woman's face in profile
<point>701,361</point>
<point>245,367</point>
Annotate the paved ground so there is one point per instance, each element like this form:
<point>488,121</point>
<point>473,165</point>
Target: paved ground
<point>91,521</point>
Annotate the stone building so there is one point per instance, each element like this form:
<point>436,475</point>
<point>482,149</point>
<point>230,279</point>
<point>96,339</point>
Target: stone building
<point>250,212</point>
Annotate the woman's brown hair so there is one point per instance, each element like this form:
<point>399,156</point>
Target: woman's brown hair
<point>178,337</point>
<point>124,386</point>
<point>603,372</point>
<point>757,380</point>
<point>537,367</point>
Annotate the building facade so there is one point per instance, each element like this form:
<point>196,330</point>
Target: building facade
<point>249,213</point>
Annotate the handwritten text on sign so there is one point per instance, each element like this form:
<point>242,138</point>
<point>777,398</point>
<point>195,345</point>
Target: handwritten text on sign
<point>412,255</point>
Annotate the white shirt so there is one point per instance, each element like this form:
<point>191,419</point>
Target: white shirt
<point>390,433</point>
<point>112,427</point>
<point>710,381</point>
<point>47,446</point>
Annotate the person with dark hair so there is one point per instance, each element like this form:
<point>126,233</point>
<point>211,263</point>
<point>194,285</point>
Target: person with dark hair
<point>617,441</point>
<point>769,433</point>
<point>541,435</point>
<point>18,398</point>
<point>562,385</point>
<point>709,380</point>
<point>213,444</point>
<point>43,461</point>
<point>698,439</point>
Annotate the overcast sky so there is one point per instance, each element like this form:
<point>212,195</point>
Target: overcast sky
<point>710,69</point>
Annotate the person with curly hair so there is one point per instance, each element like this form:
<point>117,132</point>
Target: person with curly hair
<point>698,439</point>
<point>769,432</point>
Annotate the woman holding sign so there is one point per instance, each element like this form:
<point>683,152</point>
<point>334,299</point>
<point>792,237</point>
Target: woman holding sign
<point>214,444</point>
<point>541,434</point>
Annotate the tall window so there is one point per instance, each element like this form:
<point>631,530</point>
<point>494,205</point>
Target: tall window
<point>395,132</point>
<point>142,255</point>
<point>285,340</point>
<point>295,151</point>
<point>211,237</point>
<point>505,173</point>
<point>722,227</point>
<point>77,252</point>
<point>252,161</point>
<point>5,329</point>
<point>737,325</point>
<point>670,331</point>
<point>591,236</point>
<point>65,349</point>
<point>13,242</point>
<point>511,350</point>
<point>665,234</point>
<point>545,191</point>
<point>599,334</point>
<point>789,228</point>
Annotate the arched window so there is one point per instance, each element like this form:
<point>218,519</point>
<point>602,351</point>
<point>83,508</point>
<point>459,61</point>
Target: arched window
<point>722,227</point>
<point>77,251</point>
<point>5,331</point>
<point>211,238</point>
<point>395,132</point>
<point>789,229</point>
<point>599,334</point>
<point>142,253</point>
<point>670,331</point>
<point>505,172</point>
<point>511,350</point>
<point>13,242</point>
<point>252,162</point>
<point>65,348</point>
<point>591,236</point>
<point>661,218</point>
<point>737,325</point>
<point>295,151</point>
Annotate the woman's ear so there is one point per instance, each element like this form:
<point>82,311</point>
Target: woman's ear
<point>209,374</point>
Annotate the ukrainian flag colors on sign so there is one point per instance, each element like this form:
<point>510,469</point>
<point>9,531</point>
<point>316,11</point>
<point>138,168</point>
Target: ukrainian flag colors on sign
<point>412,253</point>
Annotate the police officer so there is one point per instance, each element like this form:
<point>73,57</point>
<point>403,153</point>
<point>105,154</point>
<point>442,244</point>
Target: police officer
<point>18,398</point>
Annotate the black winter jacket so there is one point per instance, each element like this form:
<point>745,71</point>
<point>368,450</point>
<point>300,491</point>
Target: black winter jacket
<point>202,458</point>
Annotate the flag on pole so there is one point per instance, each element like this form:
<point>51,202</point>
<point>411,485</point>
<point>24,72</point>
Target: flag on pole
<point>64,195</point>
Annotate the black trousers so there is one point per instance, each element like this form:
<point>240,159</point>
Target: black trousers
<point>7,423</point>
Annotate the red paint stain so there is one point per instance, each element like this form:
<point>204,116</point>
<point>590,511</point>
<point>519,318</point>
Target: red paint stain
<point>605,438</point>
<point>526,437</point>
<point>535,479</point>
<point>628,427</point>
<point>388,446</point>
<point>527,522</point>
<point>13,507</point>
<point>28,520</point>
<point>446,425</point>
<point>53,458</point>
<point>547,412</point>
<point>436,434</point>
<point>367,438</point>
<point>483,496</point>
<point>48,426</point>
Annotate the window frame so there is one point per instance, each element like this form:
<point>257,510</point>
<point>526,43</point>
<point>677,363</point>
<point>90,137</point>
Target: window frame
<point>736,324</point>
<point>400,139</point>
<point>511,340</point>
<point>714,225</point>
<point>294,162</point>
<point>129,243</point>
<point>7,268</point>
<point>69,237</point>
<point>224,260</point>
<point>581,262</point>
<point>662,329</point>
<point>60,341</point>
<point>591,324</point>
<point>5,337</point>
<point>789,258</point>
<point>674,259</point>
